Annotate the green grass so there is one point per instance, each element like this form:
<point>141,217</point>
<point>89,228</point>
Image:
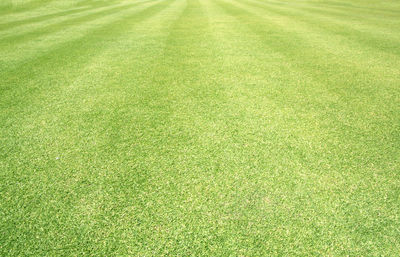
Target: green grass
<point>200,127</point>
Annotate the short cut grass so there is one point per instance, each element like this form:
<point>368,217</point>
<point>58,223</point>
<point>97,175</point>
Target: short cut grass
<point>199,127</point>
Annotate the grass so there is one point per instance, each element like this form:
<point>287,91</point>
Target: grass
<point>200,127</point>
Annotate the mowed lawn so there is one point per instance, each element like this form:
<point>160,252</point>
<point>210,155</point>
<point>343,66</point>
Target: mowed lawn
<point>200,128</point>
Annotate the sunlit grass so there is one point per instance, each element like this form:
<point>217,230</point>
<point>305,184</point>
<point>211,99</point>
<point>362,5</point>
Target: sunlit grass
<point>199,127</point>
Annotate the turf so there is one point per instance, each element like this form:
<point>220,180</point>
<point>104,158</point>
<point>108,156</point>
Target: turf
<point>200,127</point>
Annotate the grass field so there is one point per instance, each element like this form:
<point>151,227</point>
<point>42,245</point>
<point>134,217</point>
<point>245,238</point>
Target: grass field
<point>200,127</point>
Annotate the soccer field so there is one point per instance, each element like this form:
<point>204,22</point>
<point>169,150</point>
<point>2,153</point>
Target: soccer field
<point>200,128</point>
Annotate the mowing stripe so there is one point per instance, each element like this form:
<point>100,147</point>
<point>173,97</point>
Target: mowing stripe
<point>85,46</point>
<point>370,36</point>
<point>46,17</point>
<point>53,28</point>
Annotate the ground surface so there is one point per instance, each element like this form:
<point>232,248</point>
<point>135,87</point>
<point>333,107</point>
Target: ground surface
<point>203,127</point>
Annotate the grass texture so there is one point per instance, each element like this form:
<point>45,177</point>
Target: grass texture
<point>200,128</point>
